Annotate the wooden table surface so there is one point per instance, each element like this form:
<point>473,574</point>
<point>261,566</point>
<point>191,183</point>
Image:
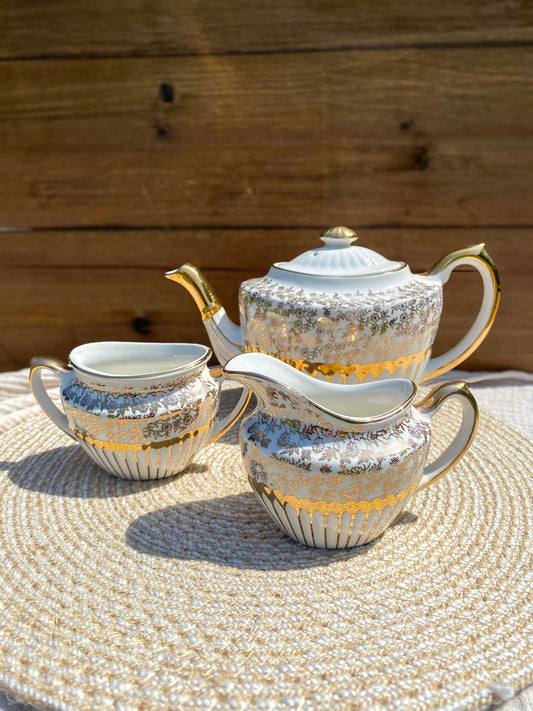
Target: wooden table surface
<point>135,137</point>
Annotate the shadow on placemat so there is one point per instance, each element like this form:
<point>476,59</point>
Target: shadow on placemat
<point>68,471</point>
<point>233,531</point>
<point>9,702</point>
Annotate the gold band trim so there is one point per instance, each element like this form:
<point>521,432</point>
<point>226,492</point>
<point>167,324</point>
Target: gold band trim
<point>327,507</point>
<point>360,370</point>
<point>132,447</point>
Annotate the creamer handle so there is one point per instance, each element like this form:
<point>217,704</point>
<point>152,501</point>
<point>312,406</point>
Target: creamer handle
<point>477,257</point>
<point>222,425</point>
<point>40,393</point>
<point>462,440</point>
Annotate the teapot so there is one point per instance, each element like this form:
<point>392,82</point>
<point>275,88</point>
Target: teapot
<point>335,464</point>
<point>344,313</point>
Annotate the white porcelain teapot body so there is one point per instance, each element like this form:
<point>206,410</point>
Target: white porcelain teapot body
<point>346,314</point>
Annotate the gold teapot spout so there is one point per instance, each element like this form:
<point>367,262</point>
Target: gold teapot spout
<point>198,287</point>
<point>225,336</point>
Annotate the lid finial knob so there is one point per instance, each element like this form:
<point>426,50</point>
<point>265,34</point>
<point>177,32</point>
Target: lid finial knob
<point>339,237</point>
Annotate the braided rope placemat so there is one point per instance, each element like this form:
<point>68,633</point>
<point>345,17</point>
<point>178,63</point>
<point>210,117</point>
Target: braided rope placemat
<point>183,594</point>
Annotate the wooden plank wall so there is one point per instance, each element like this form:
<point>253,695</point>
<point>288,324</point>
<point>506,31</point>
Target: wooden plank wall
<point>137,136</point>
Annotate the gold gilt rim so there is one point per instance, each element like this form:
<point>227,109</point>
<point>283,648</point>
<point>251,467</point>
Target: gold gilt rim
<point>383,272</point>
<point>110,378</point>
<point>402,407</point>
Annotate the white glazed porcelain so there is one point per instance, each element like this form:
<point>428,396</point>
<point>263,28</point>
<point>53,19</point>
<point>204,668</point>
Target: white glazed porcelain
<point>140,410</point>
<point>344,313</point>
<point>335,464</point>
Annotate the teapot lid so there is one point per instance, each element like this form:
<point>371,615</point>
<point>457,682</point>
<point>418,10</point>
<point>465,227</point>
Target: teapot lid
<point>338,258</point>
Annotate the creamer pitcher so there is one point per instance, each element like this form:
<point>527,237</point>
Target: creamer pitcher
<point>335,464</point>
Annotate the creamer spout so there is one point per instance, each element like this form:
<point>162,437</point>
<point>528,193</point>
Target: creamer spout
<point>283,391</point>
<point>225,336</point>
<point>280,388</point>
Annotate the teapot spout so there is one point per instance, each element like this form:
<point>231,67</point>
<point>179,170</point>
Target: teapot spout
<point>225,336</point>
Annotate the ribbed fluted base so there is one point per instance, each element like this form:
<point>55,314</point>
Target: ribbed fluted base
<point>326,528</point>
<point>150,463</point>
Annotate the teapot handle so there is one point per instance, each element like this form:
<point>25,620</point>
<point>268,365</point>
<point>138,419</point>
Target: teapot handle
<point>40,393</point>
<point>429,406</point>
<point>222,426</point>
<point>477,257</point>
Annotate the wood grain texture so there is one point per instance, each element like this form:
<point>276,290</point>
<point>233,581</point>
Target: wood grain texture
<point>169,27</point>
<point>420,137</point>
<point>109,285</point>
<point>136,136</point>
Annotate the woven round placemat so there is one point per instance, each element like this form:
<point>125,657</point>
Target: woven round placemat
<point>183,594</point>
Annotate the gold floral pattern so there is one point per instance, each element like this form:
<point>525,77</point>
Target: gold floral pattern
<point>142,414</point>
<point>319,464</point>
<point>323,333</point>
<point>294,452</point>
<point>143,431</point>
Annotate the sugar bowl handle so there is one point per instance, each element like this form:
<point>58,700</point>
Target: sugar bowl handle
<point>429,406</point>
<point>37,365</point>
<point>475,256</point>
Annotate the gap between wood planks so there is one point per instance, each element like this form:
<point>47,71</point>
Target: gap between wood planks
<point>378,46</point>
<point>240,228</point>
